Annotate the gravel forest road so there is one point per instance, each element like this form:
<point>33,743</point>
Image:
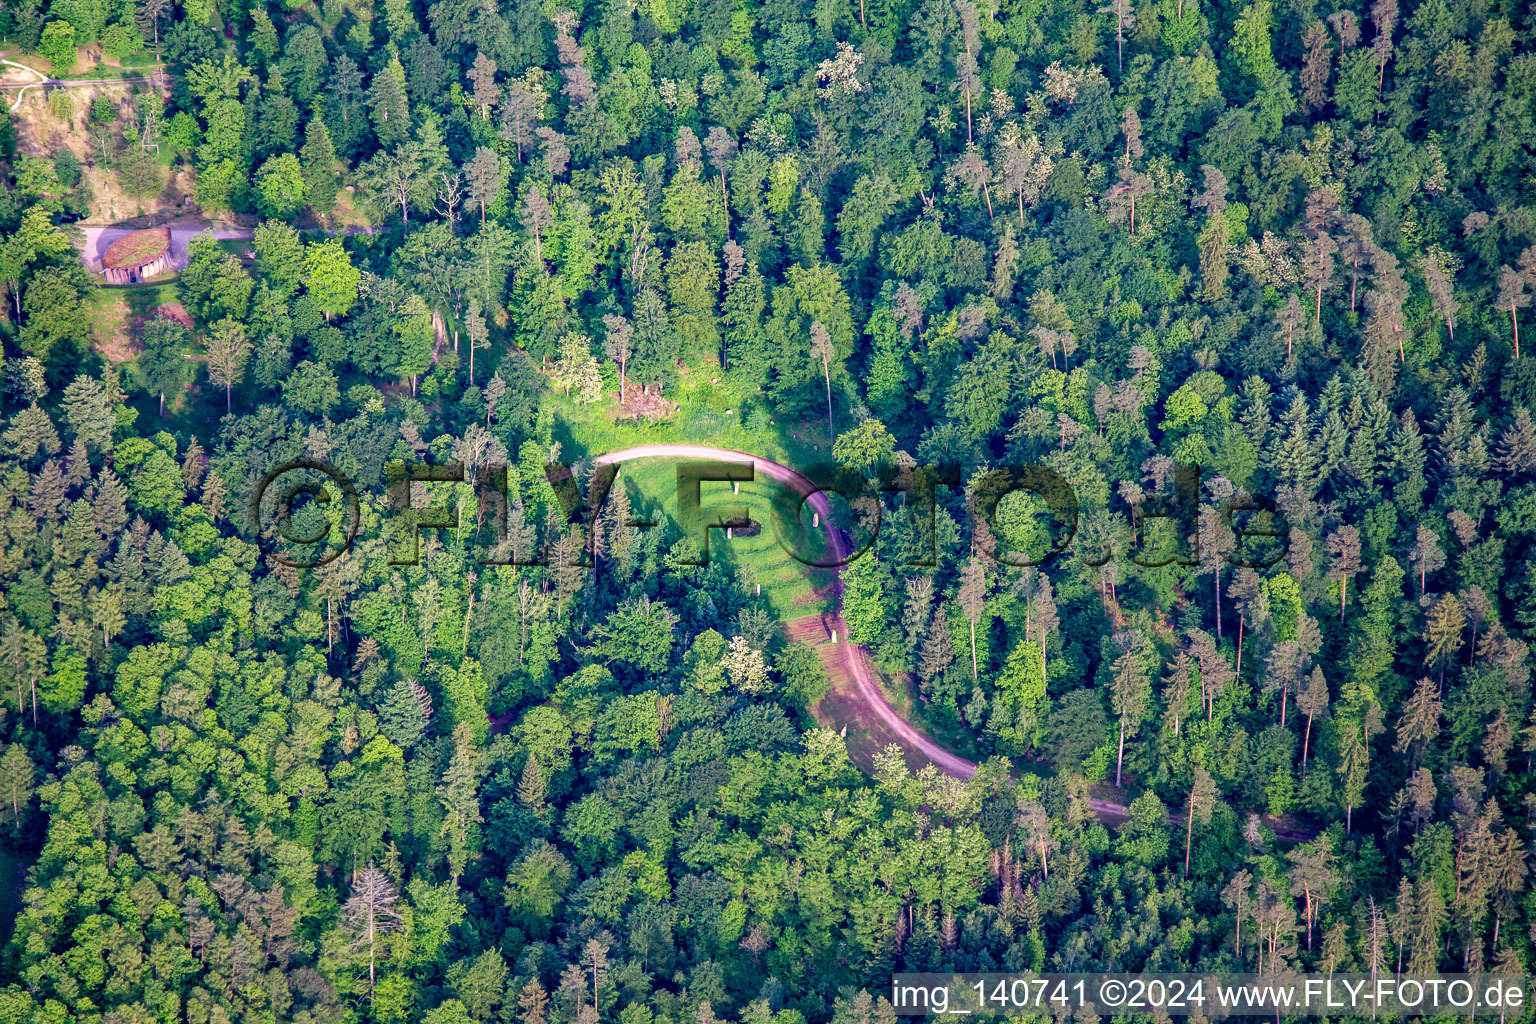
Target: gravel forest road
<point>860,669</point>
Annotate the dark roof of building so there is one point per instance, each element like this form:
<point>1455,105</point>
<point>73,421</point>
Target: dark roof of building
<point>136,249</point>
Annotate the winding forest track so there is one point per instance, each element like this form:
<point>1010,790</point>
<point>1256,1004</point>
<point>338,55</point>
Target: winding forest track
<point>848,665</point>
<point>842,659</point>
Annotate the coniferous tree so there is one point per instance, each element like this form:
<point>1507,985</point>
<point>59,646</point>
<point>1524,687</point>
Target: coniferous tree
<point>405,713</point>
<point>370,914</point>
<point>389,106</point>
<point>1312,701</point>
<point>20,776</point>
<point>458,794</point>
<point>1201,804</point>
<point>322,182</point>
<point>1129,697</point>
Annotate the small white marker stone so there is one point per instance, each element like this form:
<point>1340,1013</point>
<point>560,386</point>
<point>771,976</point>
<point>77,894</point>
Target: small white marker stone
<point>815,518</point>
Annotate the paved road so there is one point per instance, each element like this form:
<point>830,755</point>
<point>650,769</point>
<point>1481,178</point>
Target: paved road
<point>98,238</point>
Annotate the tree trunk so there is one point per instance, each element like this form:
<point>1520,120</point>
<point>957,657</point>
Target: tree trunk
<point>725,205</point>
<point>1120,755</point>
<point>1514,321</point>
<point>1216,586</point>
<point>973,652</point>
<point>827,375</point>
<point>1239,673</point>
<point>1306,740</point>
<point>1189,831</point>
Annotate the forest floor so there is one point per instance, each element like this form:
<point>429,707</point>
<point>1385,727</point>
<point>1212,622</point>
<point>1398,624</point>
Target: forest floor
<point>44,128</point>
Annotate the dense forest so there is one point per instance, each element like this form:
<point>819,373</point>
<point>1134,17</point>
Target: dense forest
<point>1292,244</point>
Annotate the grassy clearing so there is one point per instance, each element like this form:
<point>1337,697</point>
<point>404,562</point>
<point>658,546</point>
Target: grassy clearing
<point>790,588</point>
<point>715,410</point>
<point>712,409</point>
<point>114,308</point>
<point>707,413</point>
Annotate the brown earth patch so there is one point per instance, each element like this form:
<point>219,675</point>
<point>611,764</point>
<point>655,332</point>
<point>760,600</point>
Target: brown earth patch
<point>640,406</point>
<point>110,330</point>
<point>843,709</point>
<point>176,311</point>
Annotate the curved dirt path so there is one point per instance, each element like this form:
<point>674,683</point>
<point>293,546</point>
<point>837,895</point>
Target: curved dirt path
<point>860,669</point>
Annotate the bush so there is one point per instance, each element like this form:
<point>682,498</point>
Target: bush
<point>121,40</point>
<point>57,46</point>
<point>280,187</point>
<point>140,175</point>
<point>62,105</point>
